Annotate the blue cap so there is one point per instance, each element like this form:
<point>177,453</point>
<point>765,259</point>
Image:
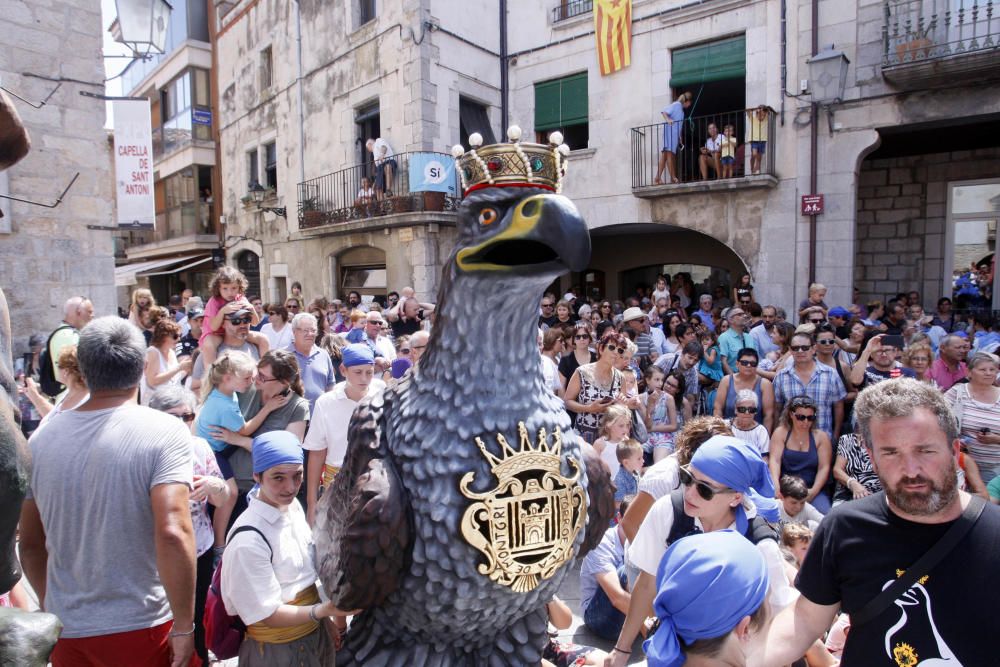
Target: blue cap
<point>358,354</point>
<point>274,449</point>
<point>839,312</point>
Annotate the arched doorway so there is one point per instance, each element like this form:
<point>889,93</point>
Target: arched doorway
<point>249,265</point>
<point>632,255</point>
<point>362,270</point>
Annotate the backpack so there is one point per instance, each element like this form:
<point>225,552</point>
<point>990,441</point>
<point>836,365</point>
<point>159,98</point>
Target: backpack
<point>223,632</point>
<point>47,369</point>
<point>758,529</point>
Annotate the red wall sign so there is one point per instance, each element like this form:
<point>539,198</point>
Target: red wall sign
<point>812,204</point>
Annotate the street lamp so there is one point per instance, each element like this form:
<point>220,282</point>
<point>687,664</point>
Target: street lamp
<point>256,191</point>
<point>828,79</point>
<point>142,25</point>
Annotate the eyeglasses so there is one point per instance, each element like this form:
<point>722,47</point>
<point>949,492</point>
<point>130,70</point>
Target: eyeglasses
<point>800,348</point>
<point>404,350</point>
<point>187,417</point>
<point>291,307</point>
<point>263,379</point>
<point>705,490</point>
<point>241,320</point>
<point>748,410</point>
<point>546,305</point>
<point>805,418</point>
<point>619,350</point>
<point>582,337</point>
<point>418,347</point>
<point>749,363</point>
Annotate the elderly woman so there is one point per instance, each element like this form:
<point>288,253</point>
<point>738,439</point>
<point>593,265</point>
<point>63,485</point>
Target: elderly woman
<point>209,487</point>
<point>746,379</point>
<point>918,357</point>
<point>71,376</point>
<point>162,366</point>
<point>594,387</point>
<point>799,448</point>
<point>726,486</point>
<point>976,404</point>
<point>577,355</point>
<point>746,407</point>
<point>710,598</point>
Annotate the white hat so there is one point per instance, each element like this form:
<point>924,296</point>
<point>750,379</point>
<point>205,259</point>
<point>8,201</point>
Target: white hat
<point>569,296</point>
<point>633,313</point>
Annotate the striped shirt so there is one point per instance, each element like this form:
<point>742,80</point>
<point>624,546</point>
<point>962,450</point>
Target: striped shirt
<point>824,388</point>
<point>973,417</point>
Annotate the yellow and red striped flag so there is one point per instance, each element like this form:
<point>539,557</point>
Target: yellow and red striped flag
<point>613,29</point>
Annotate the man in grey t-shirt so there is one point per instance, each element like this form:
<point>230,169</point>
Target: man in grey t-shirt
<point>236,329</point>
<point>106,534</point>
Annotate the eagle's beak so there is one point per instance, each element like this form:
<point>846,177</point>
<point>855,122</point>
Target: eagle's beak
<point>543,231</point>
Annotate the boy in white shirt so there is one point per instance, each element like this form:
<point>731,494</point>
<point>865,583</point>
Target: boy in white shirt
<point>794,508</point>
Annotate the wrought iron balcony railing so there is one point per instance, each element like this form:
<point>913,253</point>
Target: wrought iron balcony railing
<point>567,9</point>
<point>368,190</point>
<point>923,30</point>
<point>753,153</point>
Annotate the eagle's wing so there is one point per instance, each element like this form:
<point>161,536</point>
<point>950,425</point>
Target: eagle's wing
<point>600,500</point>
<point>364,529</point>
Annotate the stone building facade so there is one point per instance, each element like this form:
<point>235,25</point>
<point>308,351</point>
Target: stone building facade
<point>50,254</point>
<point>913,117</point>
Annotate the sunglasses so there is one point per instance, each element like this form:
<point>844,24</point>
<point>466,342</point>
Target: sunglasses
<point>241,320</point>
<point>749,410</point>
<point>827,341</point>
<point>805,418</point>
<point>291,307</point>
<point>546,305</point>
<point>817,322</point>
<point>800,348</point>
<point>405,350</point>
<point>582,337</point>
<point>187,417</point>
<point>749,363</point>
<point>705,490</point>
<point>619,350</point>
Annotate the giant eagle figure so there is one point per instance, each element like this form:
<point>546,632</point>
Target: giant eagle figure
<point>465,494</point>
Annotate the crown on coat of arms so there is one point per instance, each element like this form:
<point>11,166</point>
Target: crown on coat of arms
<point>513,164</point>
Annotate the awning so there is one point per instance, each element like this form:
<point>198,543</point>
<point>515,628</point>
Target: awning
<point>125,275</point>
<point>716,61</point>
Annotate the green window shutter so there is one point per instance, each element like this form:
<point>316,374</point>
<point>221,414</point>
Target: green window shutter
<point>725,59</point>
<point>561,102</point>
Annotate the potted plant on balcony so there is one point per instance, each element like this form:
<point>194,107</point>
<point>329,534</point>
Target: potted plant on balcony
<point>433,201</point>
<point>311,215</point>
<point>914,45</point>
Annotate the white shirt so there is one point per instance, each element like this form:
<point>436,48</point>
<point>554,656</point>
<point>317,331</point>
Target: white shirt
<point>330,418</point>
<point>384,347</point>
<point>659,340</point>
<point>651,543</point>
<point>610,457</point>
<point>714,145</point>
<point>380,145</point>
<point>279,340</point>
<point>550,370</point>
<point>255,583</point>
<point>756,437</point>
<point>661,478</point>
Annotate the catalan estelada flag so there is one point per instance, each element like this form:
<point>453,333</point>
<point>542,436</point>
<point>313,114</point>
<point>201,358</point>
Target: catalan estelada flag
<point>613,29</point>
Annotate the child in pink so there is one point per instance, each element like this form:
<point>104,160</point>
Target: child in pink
<point>228,287</point>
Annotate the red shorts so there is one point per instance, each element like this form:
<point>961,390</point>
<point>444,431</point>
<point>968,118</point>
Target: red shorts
<point>148,647</point>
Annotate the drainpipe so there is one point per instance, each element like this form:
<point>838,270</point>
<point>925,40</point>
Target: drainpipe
<point>784,57</point>
<point>504,83</point>
<point>813,148</point>
<point>298,85</point>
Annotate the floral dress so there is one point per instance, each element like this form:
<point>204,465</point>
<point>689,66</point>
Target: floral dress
<point>589,423</point>
<point>660,416</point>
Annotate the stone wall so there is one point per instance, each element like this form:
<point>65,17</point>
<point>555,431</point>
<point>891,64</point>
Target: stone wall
<point>47,254</point>
<point>902,212</point>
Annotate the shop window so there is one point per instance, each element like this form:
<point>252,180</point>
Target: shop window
<point>562,105</point>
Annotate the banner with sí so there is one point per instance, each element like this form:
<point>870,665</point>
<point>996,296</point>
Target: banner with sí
<point>433,172</point>
<point>134,164</point>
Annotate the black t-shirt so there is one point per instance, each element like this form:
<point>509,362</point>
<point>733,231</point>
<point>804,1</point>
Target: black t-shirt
<point>861,546</point>
<point>547,321</point>
<point>186,345</point>
<point>407,328</point>
<point>568,364</point>
<point>874,375</point>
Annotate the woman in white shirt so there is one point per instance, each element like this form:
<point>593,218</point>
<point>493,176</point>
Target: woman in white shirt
<point>277,329</point>
<point>162,366</point>
<point>268,573</point>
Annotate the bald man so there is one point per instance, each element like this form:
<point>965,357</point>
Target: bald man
<point>77,312</point>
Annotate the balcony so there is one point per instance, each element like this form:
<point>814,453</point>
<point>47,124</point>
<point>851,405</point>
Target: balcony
<point>940,42</point>
<point>567,9</point>
<point>342,197</point>
<point>698,171</point>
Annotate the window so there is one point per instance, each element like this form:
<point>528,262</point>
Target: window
<point>562,105</point>
<point>252,173</point>
<point>973,212</point>
<point>266,65</point>
<point>473,118</point>
<point>366,11</point>
<point>271,166</point>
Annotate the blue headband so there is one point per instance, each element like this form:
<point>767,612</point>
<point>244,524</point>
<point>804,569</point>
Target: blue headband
<point>737,465</point>
<point>358,354</point>
<point>706,584</point>
<point>274,449</point>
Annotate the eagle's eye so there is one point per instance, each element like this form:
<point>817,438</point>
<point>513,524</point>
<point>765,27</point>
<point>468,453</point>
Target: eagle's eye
<point>488,216</point>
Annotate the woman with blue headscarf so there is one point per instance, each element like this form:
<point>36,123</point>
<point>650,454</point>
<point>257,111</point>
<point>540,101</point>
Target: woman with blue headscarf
<point>726,486</point>
<point>710,598</point>
<point>268,573</point>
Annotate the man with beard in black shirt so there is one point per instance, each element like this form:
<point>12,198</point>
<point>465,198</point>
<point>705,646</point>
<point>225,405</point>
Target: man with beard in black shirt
<point>948,616</point>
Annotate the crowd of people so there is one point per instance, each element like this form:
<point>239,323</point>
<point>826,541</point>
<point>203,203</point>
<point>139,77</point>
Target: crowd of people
<point>722,422</point>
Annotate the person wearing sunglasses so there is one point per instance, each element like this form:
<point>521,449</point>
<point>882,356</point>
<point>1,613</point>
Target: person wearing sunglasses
<point>877,362</point>
<point>594,387</point>
<point>800,448</point>
<point>209,487</point>
<point>162,366</point>
<point>744,424</point>
<point>806,377</point>
<point>579,354</point>
<point>746,379</point>
<point>726,486</point>
<point>828,352</point>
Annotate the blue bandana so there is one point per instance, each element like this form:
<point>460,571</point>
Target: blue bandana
<point>706,584</point>
<point>358,354</point>
<point>274,449</point>
<point>733,463</point>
